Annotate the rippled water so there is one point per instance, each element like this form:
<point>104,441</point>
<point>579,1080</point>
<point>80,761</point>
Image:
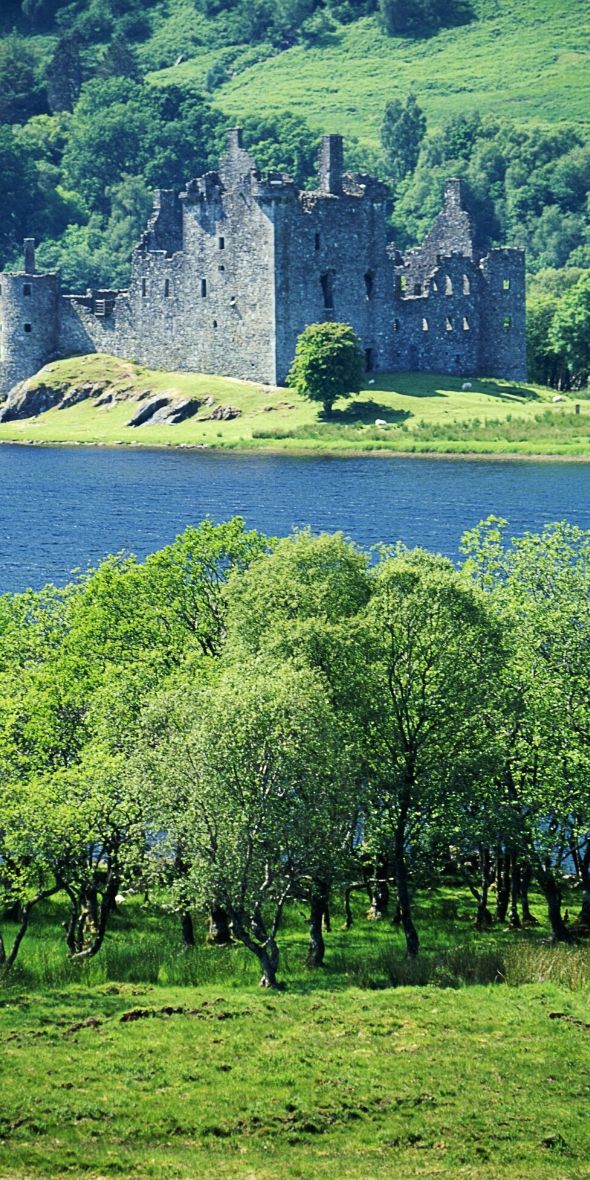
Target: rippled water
<point>65,508</point>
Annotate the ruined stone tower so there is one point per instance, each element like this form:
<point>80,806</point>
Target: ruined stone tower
<point>230,271</point>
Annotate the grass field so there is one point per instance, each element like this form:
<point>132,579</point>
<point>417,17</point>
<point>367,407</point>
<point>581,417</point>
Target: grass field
<point>424,414</point>
<point>154,1064</point>
<point>529,61</point>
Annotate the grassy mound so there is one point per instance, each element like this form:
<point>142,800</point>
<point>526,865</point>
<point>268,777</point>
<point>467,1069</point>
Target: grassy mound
<point>425,413</point>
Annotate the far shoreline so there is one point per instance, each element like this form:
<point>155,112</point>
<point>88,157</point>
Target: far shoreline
<point>303,452</point>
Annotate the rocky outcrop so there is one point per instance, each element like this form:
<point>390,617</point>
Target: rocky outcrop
<point>26,401</point>
<point>223,414</point>
<point>165,411</point>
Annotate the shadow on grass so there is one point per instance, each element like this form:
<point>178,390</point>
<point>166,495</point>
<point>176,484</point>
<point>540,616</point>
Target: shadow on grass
<point>365,413</point>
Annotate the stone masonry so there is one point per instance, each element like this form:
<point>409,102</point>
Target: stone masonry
<point>230,271</point>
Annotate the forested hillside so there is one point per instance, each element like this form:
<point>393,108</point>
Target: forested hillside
<point>102,100</point>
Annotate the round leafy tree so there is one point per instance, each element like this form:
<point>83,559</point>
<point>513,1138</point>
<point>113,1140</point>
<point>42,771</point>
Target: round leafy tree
<point>329,363</point>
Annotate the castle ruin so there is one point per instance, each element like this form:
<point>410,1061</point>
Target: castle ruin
<point>230,271</point>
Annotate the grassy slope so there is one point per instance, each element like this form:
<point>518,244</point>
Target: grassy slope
<point>425,413</point>
<point>529,61</point>
<point>471,1081</point>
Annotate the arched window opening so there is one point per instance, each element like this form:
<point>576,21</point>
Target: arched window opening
<point>466,285</point>
<point>27,289</point>
<point>203,288</point>
<point>425,324</point>
<point>369,361</point>
<point>317,242</point>
<point>214,323</point>
<point>222,243</point>
<point>28,328</point>
<point>143,288</point>
<point>166,288</point>
<point>369,284</point>
<point>448,285</point>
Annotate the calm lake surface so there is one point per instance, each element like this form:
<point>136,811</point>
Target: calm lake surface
<point>64,508</point>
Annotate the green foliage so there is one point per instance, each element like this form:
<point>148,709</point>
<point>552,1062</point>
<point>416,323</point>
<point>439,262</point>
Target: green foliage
<point>422,18</point>
<point>402,131</point>
<point>329,363</point>
<point>22,93</point>
<point>283,144</point>
<point>569,333</point>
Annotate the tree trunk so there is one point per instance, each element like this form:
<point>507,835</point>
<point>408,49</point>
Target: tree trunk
<point>379,902</point>
<point>403,892</point>
<point>187,930</point>
<point>514,916</point>
<point>502,886</point>
<point>483,917</point>
<point>266,952</point>
<point>327,919</point>
<point>219,931</point>
<point>583,920</point>
<point>552,894</point>
<point>316,948</point>
<point>526,876</point>
<point>348,921</point>
<point>269,961</point>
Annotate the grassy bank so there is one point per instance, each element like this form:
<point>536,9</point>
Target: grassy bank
<point>150,1063</point>
<point>425,414</point>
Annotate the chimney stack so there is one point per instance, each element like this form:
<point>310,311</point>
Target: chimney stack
<point>331,164</point>
<point>29,245</point>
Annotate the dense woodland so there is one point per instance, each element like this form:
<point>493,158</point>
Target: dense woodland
<point>85,137</point>
<point>239,724</point>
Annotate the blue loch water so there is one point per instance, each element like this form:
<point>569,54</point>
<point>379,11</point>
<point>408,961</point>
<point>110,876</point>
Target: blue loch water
<point>64,508</point>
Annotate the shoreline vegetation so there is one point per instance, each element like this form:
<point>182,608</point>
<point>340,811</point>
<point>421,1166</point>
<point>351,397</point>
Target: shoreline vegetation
<point>92,400</point>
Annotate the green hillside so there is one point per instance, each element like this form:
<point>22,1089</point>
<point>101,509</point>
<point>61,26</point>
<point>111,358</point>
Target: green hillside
<point>529,61</point>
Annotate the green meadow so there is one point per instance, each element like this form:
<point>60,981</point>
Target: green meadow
<point>473,1061</point>
<point>424,414</point>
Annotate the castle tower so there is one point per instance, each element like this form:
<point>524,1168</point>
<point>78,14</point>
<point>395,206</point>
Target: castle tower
<point>29,320</point>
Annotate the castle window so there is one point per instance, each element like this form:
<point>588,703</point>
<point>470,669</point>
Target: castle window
<point>28,328</point>
<point>465,324</point>
<point>221,268</point>
<point>424,324</point>
<point>203,287</point>
<point>396,325</point>
<point>505,284</point>
<point>214,323</point>
<point>27,289</point>
<point>448,285</point>
<point>448,324</point>
<point>222,243</point>
<point>327,291</point>
<point>369,360</point>
<point>466,285</point>
<point>369,284</point>
<point>317,241</point>
<point>166,287</point>
<point>144,288</point>
<point>507,323</point>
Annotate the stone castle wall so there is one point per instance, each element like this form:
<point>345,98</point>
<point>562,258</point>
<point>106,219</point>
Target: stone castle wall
<point>229,272</point>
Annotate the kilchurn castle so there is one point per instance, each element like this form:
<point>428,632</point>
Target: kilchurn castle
<point>230,271</point>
